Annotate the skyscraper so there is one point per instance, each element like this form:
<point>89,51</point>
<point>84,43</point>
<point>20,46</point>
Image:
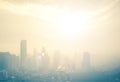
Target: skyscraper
<point>45,60</point>
<point>23,51</point>
<point>56,60</point>
<point>86,61</point>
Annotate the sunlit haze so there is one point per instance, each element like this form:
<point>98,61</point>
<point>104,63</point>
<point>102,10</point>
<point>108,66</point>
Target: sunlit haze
<point>68,26</point>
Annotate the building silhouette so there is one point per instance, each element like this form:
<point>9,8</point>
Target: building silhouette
<point>8,61</point>
<point>56,60</point>
<point>86,61</point>
<point>23,51</point>
<point>45,60</point>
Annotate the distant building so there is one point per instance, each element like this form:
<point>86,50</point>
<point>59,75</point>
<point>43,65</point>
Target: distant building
<point>86,61</point>
<point>8,61</point>
<point>23,51</point>
<point>3,76</point>
<point>56,60</point>
<point>45,60</point>
<point>77,62</point>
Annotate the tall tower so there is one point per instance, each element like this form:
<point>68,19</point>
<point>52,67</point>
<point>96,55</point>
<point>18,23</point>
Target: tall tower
<point>86,61</point>
<point>23,51</point>
<point>56,60</point>
<point>45,59</point>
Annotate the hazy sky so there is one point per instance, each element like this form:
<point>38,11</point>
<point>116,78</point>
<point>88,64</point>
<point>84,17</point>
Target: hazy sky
<point>36,20</point>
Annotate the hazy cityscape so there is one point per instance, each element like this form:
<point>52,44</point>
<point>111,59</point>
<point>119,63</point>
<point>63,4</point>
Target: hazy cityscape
<point>59,40</point>
<point>40,68</point>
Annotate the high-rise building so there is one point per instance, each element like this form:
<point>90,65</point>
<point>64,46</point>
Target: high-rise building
<point>86,60</point>
<point>56,60</point>
<point>23,51</point>
<point>45,60</point>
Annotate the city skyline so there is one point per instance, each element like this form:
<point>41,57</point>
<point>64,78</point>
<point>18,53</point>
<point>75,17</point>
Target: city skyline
<point>45,35</point>
<point>23,20</point>
<point>59,40</point>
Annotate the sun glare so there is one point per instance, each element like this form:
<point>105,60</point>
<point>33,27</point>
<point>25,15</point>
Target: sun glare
<point>73,24</point>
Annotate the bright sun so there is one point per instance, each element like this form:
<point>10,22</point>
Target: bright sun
<point>73,24</point>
